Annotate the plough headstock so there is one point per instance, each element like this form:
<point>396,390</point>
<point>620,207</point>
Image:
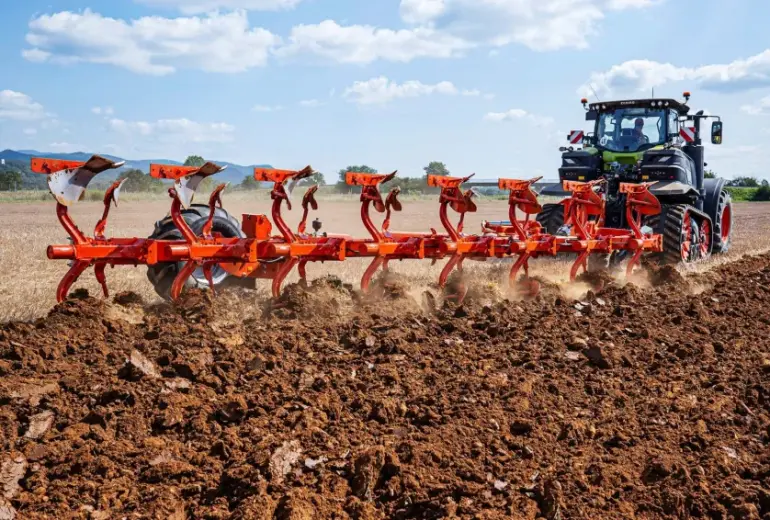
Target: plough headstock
<point>68,180</point>
<point>186,178</point>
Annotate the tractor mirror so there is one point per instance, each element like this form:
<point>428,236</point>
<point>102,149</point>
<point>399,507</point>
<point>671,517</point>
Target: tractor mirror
<point>716,132</point>
<point>592,115</point>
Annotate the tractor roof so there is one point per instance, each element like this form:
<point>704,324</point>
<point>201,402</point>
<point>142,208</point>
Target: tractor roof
<point>611,106</point>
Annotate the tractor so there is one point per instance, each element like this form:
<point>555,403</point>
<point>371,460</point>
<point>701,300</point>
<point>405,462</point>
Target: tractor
<point>646,141</point>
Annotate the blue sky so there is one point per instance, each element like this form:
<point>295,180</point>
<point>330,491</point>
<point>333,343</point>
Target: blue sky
<point>487,86</point>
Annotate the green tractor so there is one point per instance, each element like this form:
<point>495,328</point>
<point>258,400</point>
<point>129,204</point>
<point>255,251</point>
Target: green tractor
<point>646,140</point>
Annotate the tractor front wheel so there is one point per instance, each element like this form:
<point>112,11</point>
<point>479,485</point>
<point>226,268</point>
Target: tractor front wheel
<point>723,223</point>
<point>162,275</point>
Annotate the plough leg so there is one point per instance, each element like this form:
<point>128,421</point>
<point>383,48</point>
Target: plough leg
<point>302,270</point>
<point>454,261</point>
<point>101,278</point>
<point>209,278</point>
<point>281,275</point>
<point>527,287</point>
<point>582,260</point>
<point>633,261</point>
<point>181,278</point>
<point>375,264</point>
<point>72,275</point>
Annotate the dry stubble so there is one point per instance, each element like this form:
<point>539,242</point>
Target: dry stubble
<point>28,279</point>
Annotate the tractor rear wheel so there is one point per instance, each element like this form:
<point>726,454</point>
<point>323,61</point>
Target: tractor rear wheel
<point>686,238</point>
<point>162,275</point>
<point>723,223</point>
<point>551,218</point>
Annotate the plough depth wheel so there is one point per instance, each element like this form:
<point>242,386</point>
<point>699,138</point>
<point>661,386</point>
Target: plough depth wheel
<point>162,275</point>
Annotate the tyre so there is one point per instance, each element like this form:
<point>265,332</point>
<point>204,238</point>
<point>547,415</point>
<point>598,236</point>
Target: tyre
<point>723,223</point>
<point>162,275</point>
<point>685,239</point>
<point>551,218</point>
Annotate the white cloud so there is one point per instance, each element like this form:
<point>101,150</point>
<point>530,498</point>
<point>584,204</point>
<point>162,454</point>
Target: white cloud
<point>205,6</point>
<point>30,131</point>
<point>176,130</point>
<point>518,114</point>
<point>107,111</point>
<point>642,75</point>
<point>381,90</point>
<point>541,25</point>
<point>310,103</point>
<point>266,108</point>
<point>761,108</point>
<point>35,55</point>
<point>361,44</point>
<point>420,11</point>
<point>632,4</point>
<point>19,106</point>
<point>151,45</point>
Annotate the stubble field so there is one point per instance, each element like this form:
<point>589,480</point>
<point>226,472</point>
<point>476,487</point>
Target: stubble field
<point>28,279</point>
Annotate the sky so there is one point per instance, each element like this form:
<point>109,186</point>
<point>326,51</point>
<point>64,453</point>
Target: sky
<point>490,87</point>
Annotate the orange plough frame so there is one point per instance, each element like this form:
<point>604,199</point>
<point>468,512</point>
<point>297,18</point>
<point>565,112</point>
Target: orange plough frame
<point>263,254</point>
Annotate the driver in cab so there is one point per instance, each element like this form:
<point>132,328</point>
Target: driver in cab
<point>638,135</point>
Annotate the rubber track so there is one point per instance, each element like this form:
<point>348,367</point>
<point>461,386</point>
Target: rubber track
<point>669,224</point>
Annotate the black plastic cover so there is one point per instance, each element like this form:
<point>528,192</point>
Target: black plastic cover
<point>580,165</point>
<point>668,165</point>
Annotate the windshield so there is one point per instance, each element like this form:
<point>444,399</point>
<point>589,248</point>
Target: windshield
<point>631,129</point>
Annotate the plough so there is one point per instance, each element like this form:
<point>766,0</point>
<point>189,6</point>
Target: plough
<point>257,253</point>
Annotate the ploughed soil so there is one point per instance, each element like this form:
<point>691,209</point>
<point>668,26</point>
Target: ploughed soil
<point>626,403</point>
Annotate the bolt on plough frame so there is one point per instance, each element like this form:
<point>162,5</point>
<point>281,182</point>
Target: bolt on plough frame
<point>263,255</point>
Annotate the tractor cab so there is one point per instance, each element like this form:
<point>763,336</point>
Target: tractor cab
<point>634,129</point>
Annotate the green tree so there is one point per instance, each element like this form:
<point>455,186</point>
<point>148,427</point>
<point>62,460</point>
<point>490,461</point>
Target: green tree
<point>248,183</point>
<point>137,180</point>
<point>341,185</point>
<point>762,193</point>
<point>744,182</point>
<point>709,174</point>
<point>433,168</point>
<point>10,180</point>
<point>194,160</point>
<point>436,168</point>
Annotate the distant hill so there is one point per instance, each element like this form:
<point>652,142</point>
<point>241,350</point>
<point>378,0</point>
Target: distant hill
<point>21,159</point>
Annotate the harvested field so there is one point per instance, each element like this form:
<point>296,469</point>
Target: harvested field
<point>28,279</point>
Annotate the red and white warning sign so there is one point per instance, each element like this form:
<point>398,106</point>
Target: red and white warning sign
<point>687,133</point>
<point>575,136</point>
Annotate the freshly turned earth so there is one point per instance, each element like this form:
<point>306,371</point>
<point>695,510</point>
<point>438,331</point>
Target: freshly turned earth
<point>629,403</point>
